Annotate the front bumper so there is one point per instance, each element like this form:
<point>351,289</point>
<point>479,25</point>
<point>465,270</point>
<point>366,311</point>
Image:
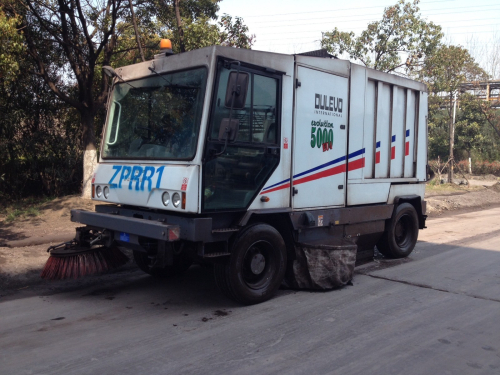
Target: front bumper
<point>128,225</point>
<point>144,223</point>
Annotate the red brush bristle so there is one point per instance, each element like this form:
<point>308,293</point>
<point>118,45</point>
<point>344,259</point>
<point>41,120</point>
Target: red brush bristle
<point>94,261</point>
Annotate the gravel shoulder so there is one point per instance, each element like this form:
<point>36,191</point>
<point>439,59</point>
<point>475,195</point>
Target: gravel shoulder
<point>452,199</point>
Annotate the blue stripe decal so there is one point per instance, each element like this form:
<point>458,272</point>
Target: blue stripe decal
<point>394,138</point>
<point>357,153</point>
<point>338,160</point>
<point>407,132</point>
<point>279,183</point>
<point>378,144</point>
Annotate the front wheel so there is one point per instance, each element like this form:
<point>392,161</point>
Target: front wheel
<point>256,267</point>
<point>401,234</point>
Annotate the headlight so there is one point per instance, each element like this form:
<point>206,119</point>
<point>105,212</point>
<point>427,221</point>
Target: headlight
<point>106,192</point>
<point>165,198</point>
<point>98,191</point>
<point>176,199</point>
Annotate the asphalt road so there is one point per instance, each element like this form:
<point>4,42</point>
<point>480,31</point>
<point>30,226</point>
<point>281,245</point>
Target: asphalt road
<point>437,312</point>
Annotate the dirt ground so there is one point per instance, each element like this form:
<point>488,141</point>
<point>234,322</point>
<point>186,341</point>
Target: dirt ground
<point>20,267</point>
<point>482,192</point>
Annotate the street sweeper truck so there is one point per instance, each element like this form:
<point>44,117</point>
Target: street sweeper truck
<point>277,169</point>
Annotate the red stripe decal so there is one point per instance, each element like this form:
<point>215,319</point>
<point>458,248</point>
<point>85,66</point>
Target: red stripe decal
<point>393,152</point>
<point>316,176</point>
<point>377,157</point>
<point>407,149</point>
<point>276,188</point>
<point>356,164</point>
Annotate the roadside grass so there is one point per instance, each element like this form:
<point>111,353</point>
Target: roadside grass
<point>22,209</point>
<point>432,187</point>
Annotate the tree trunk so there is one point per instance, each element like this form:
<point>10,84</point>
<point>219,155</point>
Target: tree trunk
<point>179,26</point>
<point>136,30</point>
<point>89,153</point>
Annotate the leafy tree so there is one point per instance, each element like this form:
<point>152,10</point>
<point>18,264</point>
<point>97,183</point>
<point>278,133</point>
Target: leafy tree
<point>11,47</point>
<point>67,41</point>
<point>444,71</point>
<point>437,128</point>
<point>234,34</point>
<point>399,42</point>
<point>202,33</point>
<point>176,16</point>
<point>38,152</point>
<point>469,135</point>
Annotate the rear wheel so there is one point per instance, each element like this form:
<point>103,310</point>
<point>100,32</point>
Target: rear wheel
<point>256,267</point>
<point>401,234</point>
<point>146,263</point>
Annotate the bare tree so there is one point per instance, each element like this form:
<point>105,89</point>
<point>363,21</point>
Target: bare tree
<point>492,65</point>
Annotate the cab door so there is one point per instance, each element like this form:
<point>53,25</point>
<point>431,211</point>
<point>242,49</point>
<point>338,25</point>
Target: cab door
<point>234,172</point>
<point>320,140</point>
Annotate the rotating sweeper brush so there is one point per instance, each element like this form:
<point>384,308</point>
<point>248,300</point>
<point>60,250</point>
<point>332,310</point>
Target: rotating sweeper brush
<point>76,258</point>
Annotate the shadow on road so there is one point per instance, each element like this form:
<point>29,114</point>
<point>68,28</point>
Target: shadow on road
<point>445,267</point>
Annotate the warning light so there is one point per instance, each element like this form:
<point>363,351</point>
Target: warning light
<point>166,46</point>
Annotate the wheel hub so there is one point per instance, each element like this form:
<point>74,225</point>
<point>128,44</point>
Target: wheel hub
<point>257,264</point>
<point>401,231</point>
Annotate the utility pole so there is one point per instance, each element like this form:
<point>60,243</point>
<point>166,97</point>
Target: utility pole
<point>452,140</point>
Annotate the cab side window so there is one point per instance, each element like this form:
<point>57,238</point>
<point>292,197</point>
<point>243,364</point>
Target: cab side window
<point>257,120</point>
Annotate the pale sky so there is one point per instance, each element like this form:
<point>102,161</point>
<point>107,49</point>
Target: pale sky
<point>294,26</point>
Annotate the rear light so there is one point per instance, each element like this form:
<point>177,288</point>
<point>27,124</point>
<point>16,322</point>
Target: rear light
<point>174,233</point>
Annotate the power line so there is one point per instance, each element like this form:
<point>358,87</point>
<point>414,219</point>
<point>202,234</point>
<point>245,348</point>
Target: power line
<point>305,37</point>
<point>378,14</point>
<point>360,20</point>
<point>336,10</point>
<point>362,27</point>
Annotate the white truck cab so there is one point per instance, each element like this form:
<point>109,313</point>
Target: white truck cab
<point>268,165</point>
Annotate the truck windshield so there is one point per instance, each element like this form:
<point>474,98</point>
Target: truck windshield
<point>156,117</point>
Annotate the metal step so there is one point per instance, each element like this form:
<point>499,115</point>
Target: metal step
<point>216,255</point>
<point>225,230</point>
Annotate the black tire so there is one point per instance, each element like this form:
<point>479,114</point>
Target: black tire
<point>144,262</point>
<point>256,267</point>
<point>401,233</point>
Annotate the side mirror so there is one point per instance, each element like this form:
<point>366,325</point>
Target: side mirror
<point>237,87</point>
<point>228,130</point>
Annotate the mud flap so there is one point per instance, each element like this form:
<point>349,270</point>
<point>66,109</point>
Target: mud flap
<point>322,267</point>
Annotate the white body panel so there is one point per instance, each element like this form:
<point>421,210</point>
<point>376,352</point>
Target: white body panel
<point>319,145</point>
<point>367,193</point>
<point>400,190</point>
<point>142,184</point>
<point>387,121</point>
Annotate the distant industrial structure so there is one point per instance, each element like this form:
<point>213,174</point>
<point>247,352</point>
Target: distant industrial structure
<point>484,90</point>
